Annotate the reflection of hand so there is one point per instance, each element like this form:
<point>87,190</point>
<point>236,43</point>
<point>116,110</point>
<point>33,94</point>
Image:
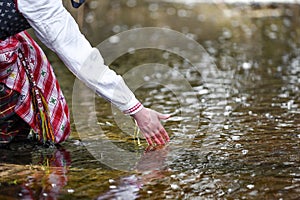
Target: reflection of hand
<point>149,123</point>
<point>150,165</point>
<point>153,159</point>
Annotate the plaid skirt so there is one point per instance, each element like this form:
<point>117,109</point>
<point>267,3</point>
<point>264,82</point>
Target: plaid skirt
<point>16,110</point>
<point>11,124</point>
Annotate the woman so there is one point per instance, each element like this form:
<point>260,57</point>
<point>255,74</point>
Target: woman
<point>30,95</point>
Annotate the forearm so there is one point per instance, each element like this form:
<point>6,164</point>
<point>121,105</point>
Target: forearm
<point>57,29</point>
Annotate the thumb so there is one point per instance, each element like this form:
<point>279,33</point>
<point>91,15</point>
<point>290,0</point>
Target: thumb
<point>163,116</point>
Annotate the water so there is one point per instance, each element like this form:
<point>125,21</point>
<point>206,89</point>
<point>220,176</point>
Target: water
<point>238,139</point>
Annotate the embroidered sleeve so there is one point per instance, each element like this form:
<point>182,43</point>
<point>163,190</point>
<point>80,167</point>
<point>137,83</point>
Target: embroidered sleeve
<point>57,29</point>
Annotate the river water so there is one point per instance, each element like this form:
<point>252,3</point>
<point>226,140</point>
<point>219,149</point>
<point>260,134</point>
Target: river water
<point>235,113</point>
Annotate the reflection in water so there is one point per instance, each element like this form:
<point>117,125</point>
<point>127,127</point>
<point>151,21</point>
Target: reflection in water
<point>51,180</point>
<point>247,142</point>
<point>46,177</point>
<point>150,167</point>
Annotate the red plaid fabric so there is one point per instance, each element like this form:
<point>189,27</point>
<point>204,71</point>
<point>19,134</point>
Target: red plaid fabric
<point>10,123</point>
<point>13,75</point>
<point>8,101</point>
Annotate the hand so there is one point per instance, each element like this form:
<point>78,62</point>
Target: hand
<point>149,123</point>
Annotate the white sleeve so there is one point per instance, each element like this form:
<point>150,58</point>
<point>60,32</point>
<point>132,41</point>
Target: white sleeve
<point>57,29</point>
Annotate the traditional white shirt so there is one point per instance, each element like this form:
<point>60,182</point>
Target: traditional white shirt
<point>58,30</point>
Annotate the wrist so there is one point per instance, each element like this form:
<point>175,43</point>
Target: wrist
<point>134,109</point>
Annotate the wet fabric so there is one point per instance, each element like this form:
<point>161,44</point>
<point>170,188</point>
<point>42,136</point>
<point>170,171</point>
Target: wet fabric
<point>8,102</point>
<point>11,21</point>
<point>11,124</point>
<point>13,75</point>
<point>13,127</point>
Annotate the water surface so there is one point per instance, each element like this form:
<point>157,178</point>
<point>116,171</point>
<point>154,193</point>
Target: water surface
<point>241,135</point>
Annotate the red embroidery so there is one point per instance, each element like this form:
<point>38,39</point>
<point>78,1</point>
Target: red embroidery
<point>133,109</point>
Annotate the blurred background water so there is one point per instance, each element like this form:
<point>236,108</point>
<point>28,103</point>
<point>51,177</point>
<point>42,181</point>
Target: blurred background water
<point>245,144</point>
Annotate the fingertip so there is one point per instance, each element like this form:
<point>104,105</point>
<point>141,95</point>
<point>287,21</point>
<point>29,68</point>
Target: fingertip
<point>165,135</point>
<point>168,139</point>
<point>149,141</point>
<point>165,116</point>
<point>168,116</point>
<point>158,141</point>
